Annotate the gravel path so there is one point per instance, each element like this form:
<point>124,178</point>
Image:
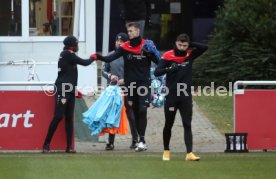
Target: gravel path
<point>206,136</point>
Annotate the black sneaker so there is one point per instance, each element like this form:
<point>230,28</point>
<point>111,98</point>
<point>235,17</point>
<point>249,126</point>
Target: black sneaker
<point>133,145</point>
<point>109,147</point>
<point>46,148</point>
<point>70,150</point>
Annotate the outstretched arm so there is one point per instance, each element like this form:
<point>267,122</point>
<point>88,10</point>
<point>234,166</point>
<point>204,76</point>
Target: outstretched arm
<point>77,60</point>
<point>111,57</point>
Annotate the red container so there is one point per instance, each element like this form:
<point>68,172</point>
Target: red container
<point>255,114</point>
<point>24,120</point>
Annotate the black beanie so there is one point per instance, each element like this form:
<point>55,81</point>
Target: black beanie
<point>122,36</point>
<point>70,41</point>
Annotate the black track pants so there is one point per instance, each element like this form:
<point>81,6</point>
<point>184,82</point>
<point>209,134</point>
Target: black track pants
<point>63,106</point>
<point>137,103</point>
<point>184,105</point>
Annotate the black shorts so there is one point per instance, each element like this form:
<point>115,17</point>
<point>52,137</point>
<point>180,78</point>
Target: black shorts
<point>138,96</point>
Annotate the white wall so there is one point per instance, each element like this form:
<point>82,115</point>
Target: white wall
<point>45,51</point>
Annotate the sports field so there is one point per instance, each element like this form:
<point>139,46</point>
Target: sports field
<point>136,165</point>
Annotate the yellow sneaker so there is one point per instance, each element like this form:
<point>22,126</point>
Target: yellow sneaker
<point>166,155</point>
<point>192,157</point>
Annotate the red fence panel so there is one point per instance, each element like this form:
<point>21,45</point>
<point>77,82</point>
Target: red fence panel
<point>255,114</point>
<point>24,120</point>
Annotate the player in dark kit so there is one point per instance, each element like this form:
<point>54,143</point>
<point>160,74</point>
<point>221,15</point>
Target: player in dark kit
<point>64,97</point>
<point>114,72</point>
<point>137,63</point>
<point>177,65</point>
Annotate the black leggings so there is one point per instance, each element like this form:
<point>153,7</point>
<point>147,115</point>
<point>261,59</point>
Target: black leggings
<point>137,106</point>
<point>132,122</point>
<point>63,105</point>
<point>137,110</point>
<point>185,106</point>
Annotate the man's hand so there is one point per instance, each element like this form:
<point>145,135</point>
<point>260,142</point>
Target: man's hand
<point>173,67</point>
<point>146,53</point>
<point>121,82</point>
<point>114,78</point>
<point>99,57</point>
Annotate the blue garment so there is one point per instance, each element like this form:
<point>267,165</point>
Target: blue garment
<point>106,111</point>
<point>150,47</point>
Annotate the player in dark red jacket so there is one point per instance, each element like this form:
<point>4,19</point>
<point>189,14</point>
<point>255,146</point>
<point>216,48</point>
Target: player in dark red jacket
<point>177,65</point>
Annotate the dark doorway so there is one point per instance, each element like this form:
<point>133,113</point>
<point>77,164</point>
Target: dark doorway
<point>169,19</point>
<point>10,23</point>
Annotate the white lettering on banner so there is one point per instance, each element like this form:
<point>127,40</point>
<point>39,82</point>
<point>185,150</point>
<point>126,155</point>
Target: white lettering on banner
<point>15,117</point>
<point>4,119</point>
<point>27,116</point>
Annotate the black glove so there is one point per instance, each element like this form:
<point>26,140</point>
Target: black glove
<point>99,57</point>
<point>173,67</point>
<point>146,53</point>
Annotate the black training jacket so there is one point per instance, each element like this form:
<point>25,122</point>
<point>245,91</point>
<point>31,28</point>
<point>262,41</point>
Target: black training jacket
<point>67,69</point>
<point>137,63</point>
<point>183,73</point>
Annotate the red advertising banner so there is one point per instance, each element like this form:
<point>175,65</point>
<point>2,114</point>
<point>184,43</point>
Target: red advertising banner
<point>24,120</point>
<point>255,114</point>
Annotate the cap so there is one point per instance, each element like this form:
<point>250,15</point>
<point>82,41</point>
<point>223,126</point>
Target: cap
<point>122,36</point>
<point>70,41</point>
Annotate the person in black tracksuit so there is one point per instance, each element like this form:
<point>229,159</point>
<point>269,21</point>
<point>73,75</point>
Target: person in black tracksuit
<point>137,63</point>
<point>177,65</point>
<point>135,11</point>
<point>65,85</point>
<point>114,73</point>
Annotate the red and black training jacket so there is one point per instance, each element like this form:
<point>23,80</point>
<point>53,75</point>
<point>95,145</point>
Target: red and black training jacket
<point>183,74</point>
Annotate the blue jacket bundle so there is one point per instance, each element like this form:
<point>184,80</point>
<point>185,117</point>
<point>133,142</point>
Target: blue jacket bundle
<point>150,47</point>
<point>106,111</point>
